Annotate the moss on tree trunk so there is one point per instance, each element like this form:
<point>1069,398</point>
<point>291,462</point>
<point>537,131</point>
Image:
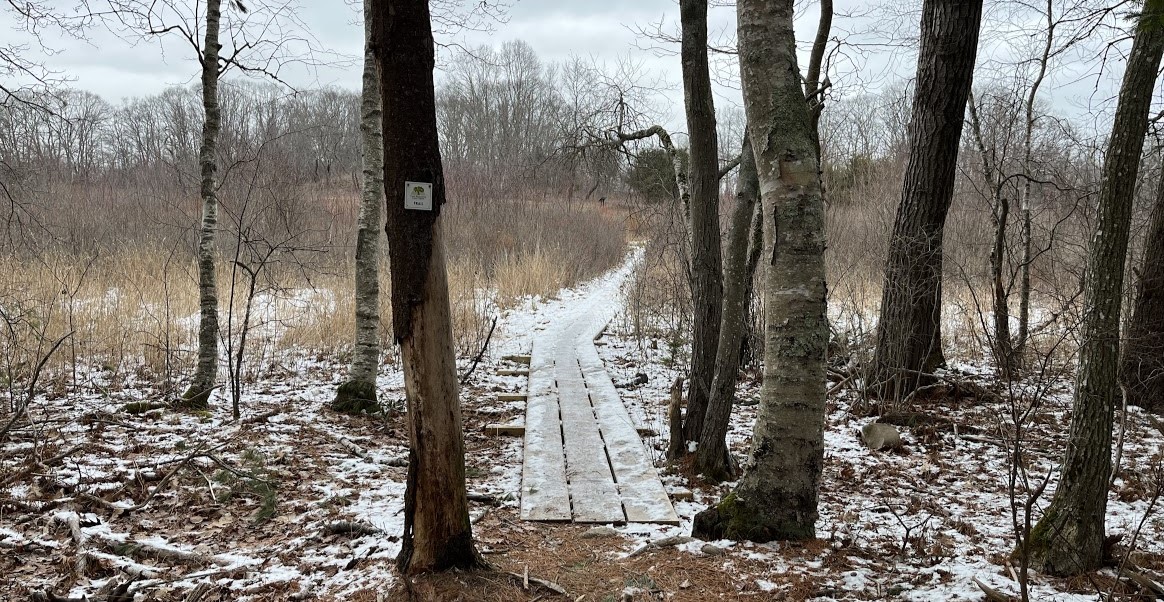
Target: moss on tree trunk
<point>734,518</point>
<point>356,397</point>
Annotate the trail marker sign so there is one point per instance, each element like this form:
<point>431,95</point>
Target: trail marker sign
<point>418,195</point>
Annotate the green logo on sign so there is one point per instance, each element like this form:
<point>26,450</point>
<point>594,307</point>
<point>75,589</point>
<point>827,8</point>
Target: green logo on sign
<point>418,190</point>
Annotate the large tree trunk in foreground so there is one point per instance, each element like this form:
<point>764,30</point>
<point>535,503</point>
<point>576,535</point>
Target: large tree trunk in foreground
<point>909,333</point>
<point>206,372</point>
<point>777,496</point>
<point>712,459</point>
<point>1069,538</point>
<point>703,174</point>
<point>358,394</point>
<point>437,533</point>
<point>1143,363</point>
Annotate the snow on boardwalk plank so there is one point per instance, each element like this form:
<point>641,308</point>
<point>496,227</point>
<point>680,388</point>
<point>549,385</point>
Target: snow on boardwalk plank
<point>544,496</point>
<point>580,442</point>
<point>593,493</point>
<point>643,496</point>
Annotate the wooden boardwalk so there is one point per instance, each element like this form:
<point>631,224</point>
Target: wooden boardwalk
<point>584,460</point>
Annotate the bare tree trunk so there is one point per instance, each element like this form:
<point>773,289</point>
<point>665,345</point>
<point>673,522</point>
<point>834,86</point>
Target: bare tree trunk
<point>749,350</point>
<point>777,496</point>
<point>713,459</point>
<point>437,533</point>
<point>1024,317</point>
<point>703,174</point>
<point>206,372</point>
<point>909,333</point>
<point>1069,538</point>
<point>814,88</point>
<point>1002,341</point>
<point>358,394</point>
<point>1143,361</point>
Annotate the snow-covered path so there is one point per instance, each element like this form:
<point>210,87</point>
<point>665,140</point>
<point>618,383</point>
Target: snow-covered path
<point>584,460</point>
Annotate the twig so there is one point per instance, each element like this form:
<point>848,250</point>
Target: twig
<point>465,378</point>
<point>525,580</point>
<point>40,465</point>
<point>32,385</point>
<point>198,592</point>
<point>157,488</point>
<point>840,385</point>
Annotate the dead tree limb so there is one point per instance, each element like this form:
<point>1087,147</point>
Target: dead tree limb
<point>480,354</point>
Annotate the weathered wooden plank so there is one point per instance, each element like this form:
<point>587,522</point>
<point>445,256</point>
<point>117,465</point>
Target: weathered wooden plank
<point>544,492</point>
<point>593,493</point>
<point>643,496</point>
<point>512,396</point>
<point>505,430</point>
<point>513,372</point>
<point>517,359</point>
<point>607,473</point>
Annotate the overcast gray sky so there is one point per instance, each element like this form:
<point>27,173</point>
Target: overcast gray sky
<point>878,48</point>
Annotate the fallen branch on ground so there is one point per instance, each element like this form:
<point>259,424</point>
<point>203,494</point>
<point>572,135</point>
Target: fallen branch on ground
<point>1143,581</point>
<point>666,542</point>
<point>992,594</point>
<point>41,465</point>
<point>483,498</point>
<point>359,452</point>
<point>198,592</point>
<point>525,580</point>
<point>157,488</point>
<point>139,549</point>
<point>260,417</point>
<point>344,527</point>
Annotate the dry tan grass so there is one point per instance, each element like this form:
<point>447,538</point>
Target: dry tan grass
<point>132,308</point>
<point>537,273</point>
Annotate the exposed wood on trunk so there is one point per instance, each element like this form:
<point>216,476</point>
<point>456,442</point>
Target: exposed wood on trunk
<point>437,531</point>
<point>909,333</point>
<point>1069,539</point>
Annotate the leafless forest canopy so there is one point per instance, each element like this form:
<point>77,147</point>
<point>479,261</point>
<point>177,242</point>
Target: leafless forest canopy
<point>98,191</point>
